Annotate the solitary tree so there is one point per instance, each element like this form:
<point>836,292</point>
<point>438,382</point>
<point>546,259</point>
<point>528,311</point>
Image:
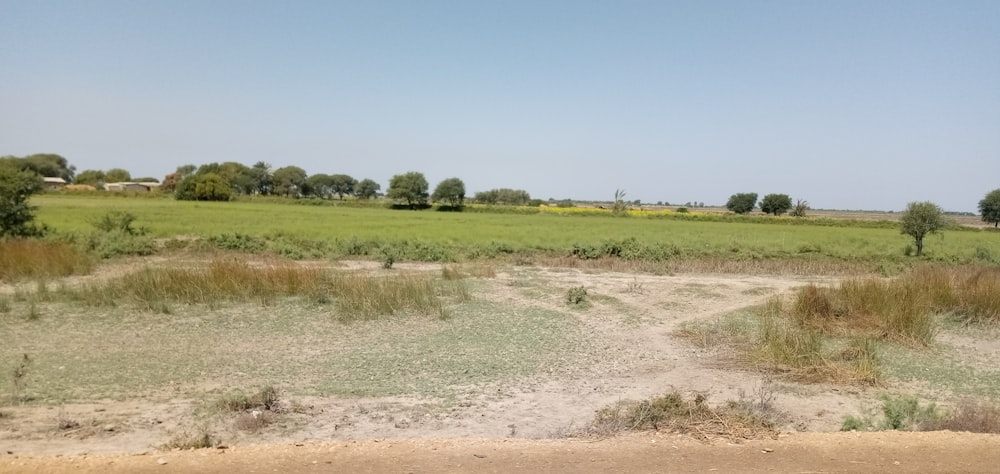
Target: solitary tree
<point>921,219</point>
<point>410,187</point>
<point>989,207</point>
<point>366,189</point>
<point>776,204</point>
<point>451,191</point>
<point>342,184</point>
<point>117,175</point>
<point>16,186</point>
<point>800,208</point>
<point>742,203</point>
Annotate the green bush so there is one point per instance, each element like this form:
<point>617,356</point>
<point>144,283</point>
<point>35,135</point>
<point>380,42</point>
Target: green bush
<point>576,296</point>
<point>238,242</point>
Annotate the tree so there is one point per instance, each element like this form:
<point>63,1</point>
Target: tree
<point>117,175</point>
<point>742,203</point>
<point>289,180</point>
<point>504,196</point>
<point>342,184</point>
<point>800,208</point>
<point>321,185</point>
<point>410,187</point>
<point>170,182</point>
<point>94,178</point>
<point>16,215</point>
<point>212,187</point>
<point>186,170</point>
<point>776,204</point>
<point>989,207</point>
<point>920,219</point>
<point>451,191</point>
<point>260,178</point>
<point>366,189</point>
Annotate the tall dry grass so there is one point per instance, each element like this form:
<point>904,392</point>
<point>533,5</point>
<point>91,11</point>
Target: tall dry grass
<point>357,296</point>
<point>29,258</point>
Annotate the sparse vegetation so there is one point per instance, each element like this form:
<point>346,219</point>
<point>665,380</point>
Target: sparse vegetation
<point>30,258</point>
<point>897,412</point>
<point>19,380</point>
<point>576,296</point>
<point>673,412</point>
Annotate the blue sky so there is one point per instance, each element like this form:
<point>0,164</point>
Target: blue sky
<point>846,104</point>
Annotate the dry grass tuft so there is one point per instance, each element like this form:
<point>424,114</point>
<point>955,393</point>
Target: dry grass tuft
<point>674,413</point>
<point>971,416</point>
<point>28,258</point>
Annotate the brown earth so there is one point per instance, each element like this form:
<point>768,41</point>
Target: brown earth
<point>519,425</point>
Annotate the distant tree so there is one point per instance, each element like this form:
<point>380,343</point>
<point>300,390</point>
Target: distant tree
<point>451,191</point>
<point>44,164</point>
<point>503,196</point>
<point>776,204</point>
<point>342,184</point>
<point>742,203</point>
<point>146,179</point>
<point>289,180</point>
<point>186,170</point>
<point>410,187</point>
<point>94,178</point>
<point>212,187</point>
<point>989,208</point>
<point>237,175</point>
<point>619,206</point>
<point>321,185</point>
<point>117,175</point>
<point>170,182</point>
<point>261,179</point>
<point>366,189</point>
<point>800,208</point>
<point>16,187</point>
<point>920,219</point>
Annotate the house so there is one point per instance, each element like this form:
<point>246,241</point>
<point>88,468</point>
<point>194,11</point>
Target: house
<point>131,187</point>
<point>54,183</point>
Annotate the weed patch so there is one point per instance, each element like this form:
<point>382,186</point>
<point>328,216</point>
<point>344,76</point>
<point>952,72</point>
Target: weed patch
<point>28,258</point>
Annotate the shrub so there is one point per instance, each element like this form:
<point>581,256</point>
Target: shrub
<point>238,242</point>
<point>117,221</point>
<point>673,412</point>
<point>576,296</point>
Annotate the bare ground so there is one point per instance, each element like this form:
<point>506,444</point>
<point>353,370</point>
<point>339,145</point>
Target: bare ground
<point>517,424</point>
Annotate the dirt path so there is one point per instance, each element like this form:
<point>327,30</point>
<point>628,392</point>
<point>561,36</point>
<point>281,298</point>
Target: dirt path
<point>803,452</point>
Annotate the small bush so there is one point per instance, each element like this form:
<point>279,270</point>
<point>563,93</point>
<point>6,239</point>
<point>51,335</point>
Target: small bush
<point>388,257</point>
<point>238,242</point>
<point>672,412</point>
<point>899,413</point>
<point>576,296</point>
<point>117,221</point>
<point>201,440</point>
<point>971,416</point>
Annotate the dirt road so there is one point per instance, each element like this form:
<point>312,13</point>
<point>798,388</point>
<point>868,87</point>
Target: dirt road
<point>650,452</point>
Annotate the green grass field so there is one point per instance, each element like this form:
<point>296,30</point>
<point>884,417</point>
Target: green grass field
<point>457,236</point>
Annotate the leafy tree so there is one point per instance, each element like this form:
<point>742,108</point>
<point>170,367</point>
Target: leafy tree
<point>117,175</point>
<point>989,207</point>
<point>44,164</point>
<point>186,170</point>
<point>94,178</point>
<point>16,186</point>
<point>212,187</point>
<point>261,179</point>
<point>776,204</point>
<point>503,196</point>
<point>289,181</point>
<point>366,189</point>
<point>343,184</point>
<point>742,203</point>
<point>920,219</point>
<point>410,187</point>
<point>321,185</point>
<point>236,174</point>
<point>451,191</point>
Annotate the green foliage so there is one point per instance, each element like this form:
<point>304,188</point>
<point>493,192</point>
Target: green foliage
<point>16,215</point>
<point>117,175</point>
<point>742,203</point>
<point>93,178</point>
<point>342,184</point>
<point>504,197</point>
<point>921,219</point>
<point>238,242</point>
<point>451,191</point>
<point>203,187</point>
<point>289,181</point>
<point>410,188</point>
<point>576,296</point>
<point>116,221</point>
<point>42,164</point>
<point>776,204</point>
<point>899,413</point>
<point>116,236</point>
<point>989,207</point>
<point>366,189</point>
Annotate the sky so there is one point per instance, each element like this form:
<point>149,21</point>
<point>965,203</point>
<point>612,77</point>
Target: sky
<point>845,104</point>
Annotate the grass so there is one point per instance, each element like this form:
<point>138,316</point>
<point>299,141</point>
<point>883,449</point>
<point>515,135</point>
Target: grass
<point>84,353</point>
<point>672,412</point>
<point>27,258</point>
<point>312,231</point>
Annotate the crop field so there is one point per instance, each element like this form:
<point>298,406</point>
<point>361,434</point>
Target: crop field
<point>265,321</point>
<point>450,236</point>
